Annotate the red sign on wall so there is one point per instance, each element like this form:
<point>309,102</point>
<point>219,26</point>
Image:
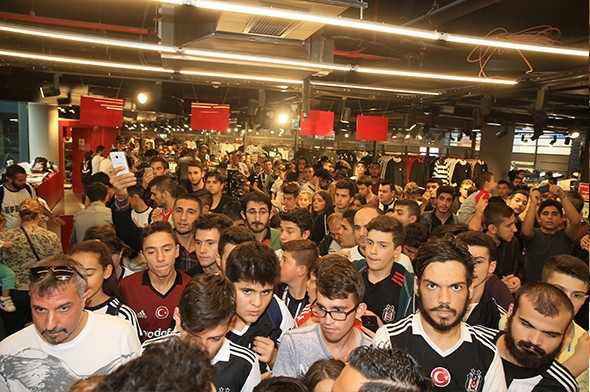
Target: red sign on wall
<point>209,117</point>
<point>371,128</point>
<point>103,112</point>
<point>584,190</point>
<point>319,123</point>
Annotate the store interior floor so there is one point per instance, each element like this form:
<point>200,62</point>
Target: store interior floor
<point>69,205</point>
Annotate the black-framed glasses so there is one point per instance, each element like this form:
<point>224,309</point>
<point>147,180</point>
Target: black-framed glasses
<point>336,315</point>
<point>60,272</point>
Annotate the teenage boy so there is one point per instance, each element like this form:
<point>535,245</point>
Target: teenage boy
<point>290,193</point>
<point>375,173</point>
<point>453,353</point>
<point>194,180</point>
<point>261,318</point>
<point>214,183</point>
<point>295,225</point>
<point>208,229</point>
<point>187,210</point>
<point>154,293</point>
<point>256,208</point>
<point>346,232</point>
<point>464,189</point>
<point>429,196</point>
<point>163,190</point>
<point>416,235</point>
<point>482,309</point>
<point>308,183</point>
<point>442,214</point>
<point>298,258</point>
<point>406,211</point>
<point>237,367</point>
<point>386,195</point>
<point>485,184</point>
<point>141,213</point>
<point>362,218</point>
<point>345,190</point>
<point>229,239</point>
<point>533,338</point>
<point>503,190</point>
<point>550,238</point>
<point>338,304</point>
<point>364,184</point>
<point>96,214</point>
<point>570,275</point>
<point>389,287</point>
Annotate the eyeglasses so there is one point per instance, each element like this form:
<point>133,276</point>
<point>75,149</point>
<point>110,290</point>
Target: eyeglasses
<point>60,272</point>
<point>336,315</point>
<point>254,212</point>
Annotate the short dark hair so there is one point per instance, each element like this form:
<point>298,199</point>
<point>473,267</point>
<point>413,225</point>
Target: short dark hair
<point>364,180</point>
<point>444,230</point>
<point>503,182</point>
<point>348,216</point>
<point>205,196</point>
<point>478,238</point>
<point>338,279</point>
<point>387,224</point>
<point>194,163</point>
<point>213,221</point>
<point>157,227</point>
<point>416,235</point>
<point>106,234</point>
<point>191,197</point>
<point>392,366</point>
<point>215,173</point>
<point>413,207</point>
<point>161,160</point>
<point>164,184</point>
<point>208,301</point>
<point>301,217</point>
<point>520,191</point>
<point>481,179</point>
<point>387,182</point>
<point>449,190</point>
<point>110,286</point>
<point>347,184</point>
<point>496,213</point>
<point>186,367</point>
<point>291,188</point>
<point>442,250</point>
<point>322,369</point>
<point>322,173</point>
<point>101,177</point>
<point>96,191</point>
<point>99,148</point>
<point>435,180</point>
<point>257,197</point>
<point>305,252</point>
<point>576,198</point>
<point>136,190</point>
<point>550,203</point>
<point>547,299</point>
<point>13,170</point>
<point>235,235</point>
<point>281,384</point>
<point>233,210</point>
<point>253,262</point>
<point>566,264</point>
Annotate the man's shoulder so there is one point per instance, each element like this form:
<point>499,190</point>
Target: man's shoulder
<point>399,327</point>
<point>19,340</point>
<point>112,324</point>
<point>304,333</point>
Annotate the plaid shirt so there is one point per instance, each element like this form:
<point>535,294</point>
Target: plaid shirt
<point>185,260</point>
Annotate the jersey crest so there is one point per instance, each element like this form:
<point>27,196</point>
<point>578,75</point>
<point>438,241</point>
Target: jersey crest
<point>473,381</point>
<point>388,314</point>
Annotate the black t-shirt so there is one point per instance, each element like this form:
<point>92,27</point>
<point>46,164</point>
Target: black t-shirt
<point>222,202</point>
<point>382,298</point>
<point>487,312</point>
<point>294,305</point>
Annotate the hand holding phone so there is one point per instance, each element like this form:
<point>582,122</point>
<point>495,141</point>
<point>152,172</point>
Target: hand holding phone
<point>543,189</point>
<point>119,160</point>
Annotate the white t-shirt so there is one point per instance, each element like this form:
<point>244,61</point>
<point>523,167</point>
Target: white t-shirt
<point>141,219</point>
<point>28,362</point>
<point>96,163</point>
<point>106,165</point>
<point>10,203</point>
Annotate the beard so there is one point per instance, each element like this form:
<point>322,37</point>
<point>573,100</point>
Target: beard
<point>444,326</point>
<point>257,227</point>
<point>527,354</point>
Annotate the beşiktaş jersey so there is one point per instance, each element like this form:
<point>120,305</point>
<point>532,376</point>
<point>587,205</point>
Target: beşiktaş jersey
<point>382,298</point>
<point>486,312</point>
<point>29,363</point>
<point>154,310</point>
<point>294,305</point>
<point>237,368</point>
<point>11,201</point>
<point>141,219</point>
<point>273,323</point>
<point>114,307</point>
<point>472,364</point>
<point>552,377</point>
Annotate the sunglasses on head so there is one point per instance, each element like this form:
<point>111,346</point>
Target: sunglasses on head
<point>60,272</point>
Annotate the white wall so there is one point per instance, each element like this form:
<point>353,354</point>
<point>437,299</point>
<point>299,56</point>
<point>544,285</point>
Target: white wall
<point>43,132</point>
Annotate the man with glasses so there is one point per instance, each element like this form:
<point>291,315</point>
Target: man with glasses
<point>340,290</point>
<point>256,207</point>
<point>65,342</point>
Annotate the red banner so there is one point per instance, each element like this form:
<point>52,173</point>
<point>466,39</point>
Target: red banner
<point>319,123</point>
<point>209,117</point>
<point>103,112</point>
<point>371,128</point>
<point>584,190</point>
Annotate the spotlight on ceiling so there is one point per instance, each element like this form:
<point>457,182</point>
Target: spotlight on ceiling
<point>142,98</point>
<point>575,134</point>
<point>345,115</point>
<point>502,132</point>
<point>537,131</point>
<point>283,118</point>
<point>554,140</point>
<point>522,138</point>
<point>51,89</point>
<point>567,140</point>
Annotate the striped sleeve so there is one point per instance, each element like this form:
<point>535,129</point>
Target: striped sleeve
<point>128,314</point>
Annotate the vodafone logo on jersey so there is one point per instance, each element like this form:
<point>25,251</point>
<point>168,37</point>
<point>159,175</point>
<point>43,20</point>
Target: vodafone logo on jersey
<point>440,377</point>
<point>161,312</point>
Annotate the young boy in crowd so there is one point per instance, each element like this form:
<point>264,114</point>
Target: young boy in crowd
<point>298,258</point>
<point>295,225</point>
<point>290,194</point>
<point>261,318</point>
<point>229,239</point>
<point>208,229</point>
<point>485,184</point>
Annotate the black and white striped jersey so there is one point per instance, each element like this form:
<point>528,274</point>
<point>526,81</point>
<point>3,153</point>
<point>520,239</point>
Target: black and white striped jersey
<point>294,305</point>
<point>237,368</point>
<point>114,307</point>
<point>472,364</point>
<point>552,377</point>
<point>486,312</point>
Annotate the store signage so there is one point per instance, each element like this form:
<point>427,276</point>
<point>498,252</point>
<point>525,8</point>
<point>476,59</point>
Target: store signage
<point>584,190</point>
<point>209,117</point>
<point>319,123</point>
<point>371,128</point>
<point>102,112</point>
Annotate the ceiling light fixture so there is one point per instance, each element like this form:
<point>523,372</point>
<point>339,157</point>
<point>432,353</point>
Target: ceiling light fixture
<point>554,140</point>
<point>142,98</point>
<point>371,88</point>
<point>374,26</point>
<point>575,134</point>
<point>186,53</point>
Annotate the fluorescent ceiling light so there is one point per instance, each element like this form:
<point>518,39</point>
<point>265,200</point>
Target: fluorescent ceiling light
<point>361,87</point>
<point>185,53</point>
<point>239,76</point>
<point>373,26</point>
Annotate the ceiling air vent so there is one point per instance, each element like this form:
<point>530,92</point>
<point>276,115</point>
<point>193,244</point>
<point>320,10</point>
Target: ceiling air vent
<point>270,27</point>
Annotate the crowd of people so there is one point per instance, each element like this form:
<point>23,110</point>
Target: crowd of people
<point>261,274</point>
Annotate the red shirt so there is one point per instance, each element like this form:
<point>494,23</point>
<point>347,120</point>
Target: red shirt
<point>154,310</point>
